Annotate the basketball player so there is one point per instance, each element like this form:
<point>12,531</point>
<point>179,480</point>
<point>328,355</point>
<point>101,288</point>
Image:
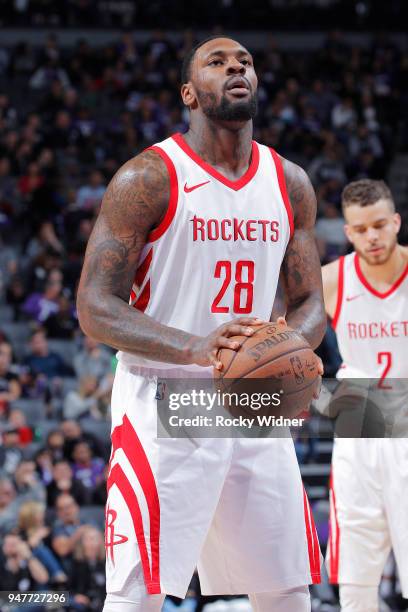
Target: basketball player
<point>196,229</point>
<point>366,295</point>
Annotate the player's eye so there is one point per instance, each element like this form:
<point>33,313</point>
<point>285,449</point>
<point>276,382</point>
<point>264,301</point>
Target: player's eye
<point>246,62</point>
<point>215,62</point>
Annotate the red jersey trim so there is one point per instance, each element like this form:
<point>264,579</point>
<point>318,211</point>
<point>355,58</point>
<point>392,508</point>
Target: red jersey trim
<point>340,291</point>
<point>164,224</point>
<point>235,185</point>
<point>144,298</point>
<point>283,189</point>
<point>143,269</point>
<point>334,537</point>
<point>371,289</point>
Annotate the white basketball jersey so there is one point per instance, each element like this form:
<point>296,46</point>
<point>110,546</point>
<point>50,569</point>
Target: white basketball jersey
<point>217,253</point>
<point>371,327</point>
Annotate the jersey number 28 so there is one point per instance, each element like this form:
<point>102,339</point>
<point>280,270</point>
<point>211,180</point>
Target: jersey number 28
<point>243,289</point>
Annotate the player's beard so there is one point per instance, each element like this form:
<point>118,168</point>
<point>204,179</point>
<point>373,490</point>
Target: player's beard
<point>225,110</point>
<point>381,258</point>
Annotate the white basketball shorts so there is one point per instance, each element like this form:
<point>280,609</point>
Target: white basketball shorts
<point>234,507</point>
<point>368,510</point>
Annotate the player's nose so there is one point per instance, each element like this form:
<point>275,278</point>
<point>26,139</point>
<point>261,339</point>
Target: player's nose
<point>235,67</point>
<point>372,234</point>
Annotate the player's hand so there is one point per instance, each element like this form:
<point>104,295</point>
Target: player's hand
<point>320,367</point>
<point>204,349</point>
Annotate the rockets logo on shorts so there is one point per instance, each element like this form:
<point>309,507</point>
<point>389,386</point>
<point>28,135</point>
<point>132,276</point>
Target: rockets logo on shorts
<point>111,538</point>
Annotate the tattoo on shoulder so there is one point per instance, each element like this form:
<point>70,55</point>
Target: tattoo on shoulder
<point>135,201</point>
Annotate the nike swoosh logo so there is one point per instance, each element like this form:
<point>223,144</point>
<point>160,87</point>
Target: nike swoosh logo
<point>189,189</point>
<point>353,297</point>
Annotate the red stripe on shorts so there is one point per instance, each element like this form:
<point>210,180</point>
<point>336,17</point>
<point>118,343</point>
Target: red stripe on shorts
<point>125,437</point>
<point>312,541</point>
<point>334,537</point>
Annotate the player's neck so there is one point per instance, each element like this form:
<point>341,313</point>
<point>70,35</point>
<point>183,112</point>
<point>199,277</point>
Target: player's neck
<point>388,272</point>
<point>227,150</point>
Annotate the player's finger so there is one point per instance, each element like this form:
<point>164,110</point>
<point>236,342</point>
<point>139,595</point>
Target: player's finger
<point>214,361</point>
<point>281,320</point>
<point>224,342</point>
<point>238,330</point>
<point>320,366</point>
<point>316,394</point>
<point>249,321</point>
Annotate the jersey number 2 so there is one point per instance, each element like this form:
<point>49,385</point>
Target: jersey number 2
<point>242,289</point>
<point>385,358</point>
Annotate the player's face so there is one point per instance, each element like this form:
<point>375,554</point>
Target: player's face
<point>373,231</point>
<point>224,82</point>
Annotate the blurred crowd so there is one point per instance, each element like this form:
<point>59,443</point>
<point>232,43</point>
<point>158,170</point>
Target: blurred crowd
<point>280,14</point>
<point>69,117</point>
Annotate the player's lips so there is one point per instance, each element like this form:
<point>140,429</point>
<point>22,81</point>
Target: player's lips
<point>238,86</point>
<point>375,250</point>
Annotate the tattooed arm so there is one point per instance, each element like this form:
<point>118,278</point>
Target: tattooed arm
<point>301,274</point>
<point>135,202</point>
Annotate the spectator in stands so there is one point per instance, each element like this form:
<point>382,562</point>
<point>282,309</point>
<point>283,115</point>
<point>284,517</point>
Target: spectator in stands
<point>331,239</point>
<point>92,360</point>
<point>41,305</point>
<point>21,570</point>
<point>89,196</point>
<point>99,494</point>
<point>55,444</point>
<point>27,481</point>
<point>73,433</point>
<point>18,420</point>
<point>83,401</point>
<point>63,323</point>
<point>10,388</point>
<point>10,451</point>
<point>32,529</point>
<point>8,505</point>
<point>15,294</point>
<point>43,462</point>
<point>87,582</point>
<point>86,468</point>
<point>11,500</point>
<point>44,239</point>
<point>63,481</point>
<point>43,361</point>
<point>67,530</point>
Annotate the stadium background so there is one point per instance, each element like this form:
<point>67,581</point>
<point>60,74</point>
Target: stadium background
<point>85,85</point>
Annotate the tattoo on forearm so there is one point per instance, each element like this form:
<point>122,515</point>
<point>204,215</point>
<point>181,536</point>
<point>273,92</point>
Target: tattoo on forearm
<point>301,266</point>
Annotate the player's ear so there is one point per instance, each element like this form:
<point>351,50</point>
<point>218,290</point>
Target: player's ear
<point>188,95</point>
<point>347,231</point>
<point>397,221</point>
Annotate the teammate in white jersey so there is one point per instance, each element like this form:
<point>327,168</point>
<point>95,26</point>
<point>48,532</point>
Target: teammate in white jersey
<point>197,229</point>
<point>366,295</point>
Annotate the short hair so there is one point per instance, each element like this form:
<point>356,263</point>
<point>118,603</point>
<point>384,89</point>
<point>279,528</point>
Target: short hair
<point>189,57</point>
<point>365,193</point>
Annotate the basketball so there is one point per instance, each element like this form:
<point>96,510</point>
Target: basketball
<point>275,359</point>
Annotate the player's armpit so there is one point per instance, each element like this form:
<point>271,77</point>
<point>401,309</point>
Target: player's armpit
<point>301,272</point>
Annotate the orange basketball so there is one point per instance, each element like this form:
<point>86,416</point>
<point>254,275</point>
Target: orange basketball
<point>276,359</point>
